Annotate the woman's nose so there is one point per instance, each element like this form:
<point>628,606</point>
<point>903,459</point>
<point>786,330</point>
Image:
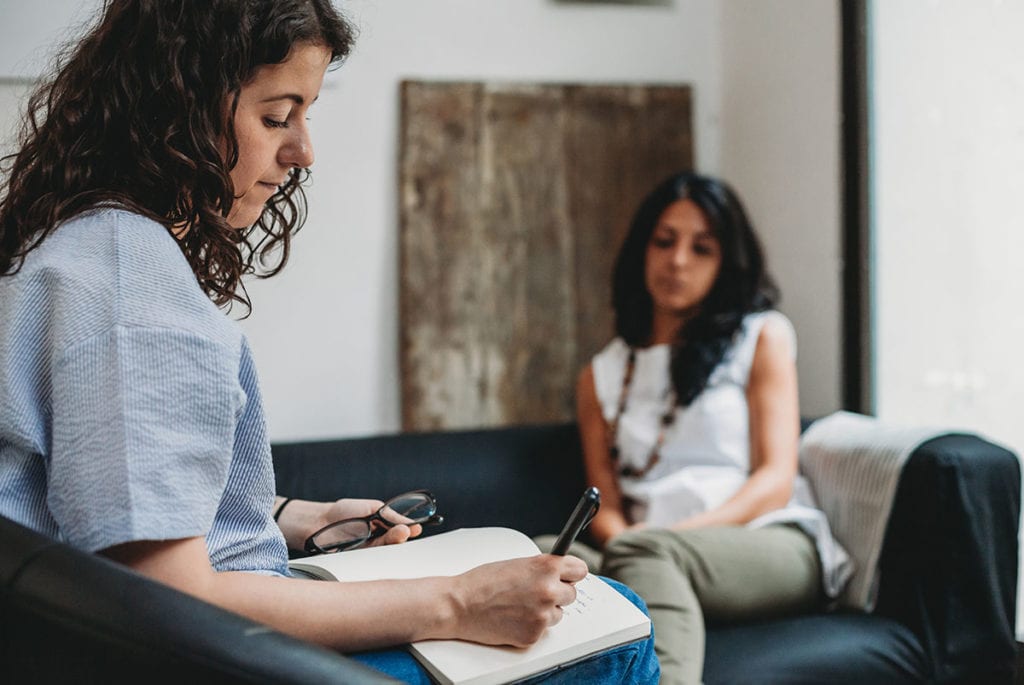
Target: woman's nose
<point>298,152</point>
<point>680,256</point>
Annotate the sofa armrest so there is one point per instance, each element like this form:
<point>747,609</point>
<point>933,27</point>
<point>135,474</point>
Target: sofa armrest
<point>69,616</point>
<point>949,561</point>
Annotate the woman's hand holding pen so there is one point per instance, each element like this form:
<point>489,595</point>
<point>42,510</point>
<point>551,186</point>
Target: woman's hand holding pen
<point>513,602</point>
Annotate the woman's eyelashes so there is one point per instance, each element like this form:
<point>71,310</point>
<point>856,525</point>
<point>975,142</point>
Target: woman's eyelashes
<point>663,240</point>
<point>704,249</point>
<point>280,122</point>
<point>701,248</point>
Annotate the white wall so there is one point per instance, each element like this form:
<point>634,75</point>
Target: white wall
<point>325,332</point>
<point>948,114</point>
<point>29,32</point>
<point>780,147</point>
<point>330,366</point>
<point>948,140</point>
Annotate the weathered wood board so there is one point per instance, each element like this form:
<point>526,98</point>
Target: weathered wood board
<point>513,202</point>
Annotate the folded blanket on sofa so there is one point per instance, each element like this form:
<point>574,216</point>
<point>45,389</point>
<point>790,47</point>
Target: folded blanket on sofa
<point>853,463</point>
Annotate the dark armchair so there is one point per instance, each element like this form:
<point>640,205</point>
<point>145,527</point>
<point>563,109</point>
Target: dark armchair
<point>68,616</point>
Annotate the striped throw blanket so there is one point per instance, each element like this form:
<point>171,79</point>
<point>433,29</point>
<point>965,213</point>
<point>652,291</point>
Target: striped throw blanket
<point>853,463</point>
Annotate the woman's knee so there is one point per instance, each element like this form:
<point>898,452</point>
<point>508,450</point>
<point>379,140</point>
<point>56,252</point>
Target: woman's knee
<point>633,543</point>
<point>649,545</point>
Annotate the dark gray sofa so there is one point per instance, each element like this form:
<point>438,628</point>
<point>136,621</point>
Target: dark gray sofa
<point>945,611</point>
<point>947,599</point>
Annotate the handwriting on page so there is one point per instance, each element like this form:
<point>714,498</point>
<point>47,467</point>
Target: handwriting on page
<point>582,604</point>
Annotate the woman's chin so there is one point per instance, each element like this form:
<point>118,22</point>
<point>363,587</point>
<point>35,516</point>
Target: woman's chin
<point>677,307</point>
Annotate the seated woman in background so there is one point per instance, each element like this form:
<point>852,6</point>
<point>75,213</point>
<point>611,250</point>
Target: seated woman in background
<point>162,164</point>
<point>689,423</point>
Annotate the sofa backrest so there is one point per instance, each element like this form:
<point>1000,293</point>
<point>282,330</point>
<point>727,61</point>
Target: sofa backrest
<point>528,478</point>
<point>523,477</point>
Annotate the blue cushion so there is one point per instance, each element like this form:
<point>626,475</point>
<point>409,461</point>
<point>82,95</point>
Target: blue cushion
<point>831,648</point>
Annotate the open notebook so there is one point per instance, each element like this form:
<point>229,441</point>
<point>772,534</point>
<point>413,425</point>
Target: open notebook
<point>600,617</point>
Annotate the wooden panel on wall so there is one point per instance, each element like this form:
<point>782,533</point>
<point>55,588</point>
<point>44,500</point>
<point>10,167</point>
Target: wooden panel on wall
<point>513,202</point>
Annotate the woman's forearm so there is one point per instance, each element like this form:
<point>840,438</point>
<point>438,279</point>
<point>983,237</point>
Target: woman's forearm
<point>510,602</point>
<point>607,524</point>
<point>342,616</point>
<point>763,492</point>
<point>345,616</point>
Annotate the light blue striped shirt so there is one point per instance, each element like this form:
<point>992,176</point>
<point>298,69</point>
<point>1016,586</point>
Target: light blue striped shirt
<point>129,404</point>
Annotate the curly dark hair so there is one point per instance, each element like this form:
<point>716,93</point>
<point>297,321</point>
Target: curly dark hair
<point>741,287</point>
<point>139,114</point>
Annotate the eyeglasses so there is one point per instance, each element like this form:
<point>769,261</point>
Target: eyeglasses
<point>418,506</point>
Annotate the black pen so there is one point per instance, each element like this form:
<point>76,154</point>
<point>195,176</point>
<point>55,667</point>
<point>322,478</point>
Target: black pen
<point>580,517</point>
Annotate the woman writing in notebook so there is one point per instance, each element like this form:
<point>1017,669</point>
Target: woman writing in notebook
<point>162,163</point>
<point>689,423</point>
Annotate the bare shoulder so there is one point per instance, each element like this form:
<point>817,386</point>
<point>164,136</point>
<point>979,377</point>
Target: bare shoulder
<point>776,347</point>
<point>776,337</point>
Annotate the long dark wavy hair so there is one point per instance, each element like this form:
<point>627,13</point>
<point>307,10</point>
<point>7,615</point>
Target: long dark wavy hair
<point>741,287</point>
<point>140,113</point>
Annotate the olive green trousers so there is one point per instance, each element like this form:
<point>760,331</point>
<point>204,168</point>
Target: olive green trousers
<point>706,576</point>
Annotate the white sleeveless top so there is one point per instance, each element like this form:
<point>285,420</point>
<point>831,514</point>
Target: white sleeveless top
<point>705,457</point>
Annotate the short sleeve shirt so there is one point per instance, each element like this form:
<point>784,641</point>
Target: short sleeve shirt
<point>129,403</point>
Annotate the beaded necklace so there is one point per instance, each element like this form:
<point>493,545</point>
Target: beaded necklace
<point>667,419</point>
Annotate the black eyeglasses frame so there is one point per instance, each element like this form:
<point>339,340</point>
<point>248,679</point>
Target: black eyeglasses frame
<point>376,525</point>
